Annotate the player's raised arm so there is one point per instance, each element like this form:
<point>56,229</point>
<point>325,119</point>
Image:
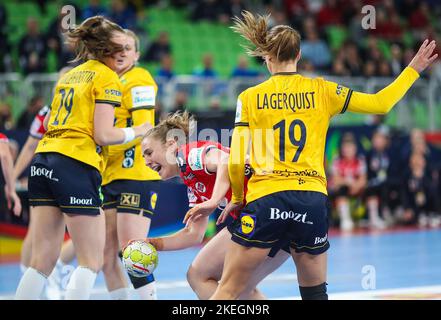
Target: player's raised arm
<point>384,100</point>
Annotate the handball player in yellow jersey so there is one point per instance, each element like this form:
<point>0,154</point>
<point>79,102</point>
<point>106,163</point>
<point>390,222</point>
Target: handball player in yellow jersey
<point>129,186</point>
<point>286,119</point>
<point>65,177</point>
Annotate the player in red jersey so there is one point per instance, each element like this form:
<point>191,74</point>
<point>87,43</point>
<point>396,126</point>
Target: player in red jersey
<point>6,164</point>
<point>203,167</point>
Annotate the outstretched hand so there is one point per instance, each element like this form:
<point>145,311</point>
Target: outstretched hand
<point>423,57</point>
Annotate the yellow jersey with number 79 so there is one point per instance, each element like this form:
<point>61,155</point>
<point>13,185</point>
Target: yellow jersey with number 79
<point>70,127</point>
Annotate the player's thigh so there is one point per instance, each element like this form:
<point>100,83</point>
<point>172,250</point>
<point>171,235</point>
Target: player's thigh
<point>88,235</point>
<point>311,269</point>
<point>209,262</point>
<point>269,265</point>
<point>131,226</point>
<point>47,235</point>
<point>112,244</point>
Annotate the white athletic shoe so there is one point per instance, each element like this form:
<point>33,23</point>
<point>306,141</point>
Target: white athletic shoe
<point>435,221</point>
<point>377,223</point>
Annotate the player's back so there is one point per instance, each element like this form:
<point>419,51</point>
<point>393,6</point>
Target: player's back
<point>288,119</point>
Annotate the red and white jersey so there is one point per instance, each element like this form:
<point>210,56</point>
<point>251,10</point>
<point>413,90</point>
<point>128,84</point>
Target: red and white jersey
<point>3,138</point>
<point>350,169</point>
<point>37,129</point>
<point>193,172</point>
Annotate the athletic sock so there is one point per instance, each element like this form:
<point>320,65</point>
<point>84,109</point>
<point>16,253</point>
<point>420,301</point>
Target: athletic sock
<point>31,285</point>
<point>80,284</point>
<point>119,294</point>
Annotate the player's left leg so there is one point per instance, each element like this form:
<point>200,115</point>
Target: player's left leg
<point>240,264</point>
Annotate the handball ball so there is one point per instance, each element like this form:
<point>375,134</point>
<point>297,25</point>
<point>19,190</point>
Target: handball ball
<point>140,258</point>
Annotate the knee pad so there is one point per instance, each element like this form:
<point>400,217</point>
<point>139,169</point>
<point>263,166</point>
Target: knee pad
<point>140,282</point>
<point>314,293</point>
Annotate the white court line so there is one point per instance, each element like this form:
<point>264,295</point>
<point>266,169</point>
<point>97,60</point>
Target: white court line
<point>427,292</point>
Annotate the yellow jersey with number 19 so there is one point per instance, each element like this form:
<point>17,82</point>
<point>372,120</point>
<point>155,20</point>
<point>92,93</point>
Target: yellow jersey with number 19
<point>125,162</point>
<point>287,118</point>
<point>70,128</point>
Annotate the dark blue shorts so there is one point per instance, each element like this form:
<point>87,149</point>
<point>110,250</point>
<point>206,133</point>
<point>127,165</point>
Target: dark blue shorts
<point>131,196</point>
<point>60,181</point>
<point>296,218</point>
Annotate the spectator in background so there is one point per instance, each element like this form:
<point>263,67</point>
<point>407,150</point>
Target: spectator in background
<point>209,10</point>
<point>348,179</point>
<point>242,69</point>
<point>27,117</point>
<point>3,19</point>
<point>329,14</point>
<point>181,99</point>
<point>396,61</point>
<point>157,49</point>
<point>123,15</point>
<point>369,69</point>
<point>296,10</point>
<point>94,9</point>
<point>231,8</point>
<point>6,63</point>
<point>388,26</point>
<point>166,69</point>
<point>6,120</point>
<point>206,70</point>
<point>316,50</point>
<point>352,59</point>
<point>339,69</point>
<point>32,49</point>
<point>384,69</point>
<point>419,196</point>
<point>378,191</point>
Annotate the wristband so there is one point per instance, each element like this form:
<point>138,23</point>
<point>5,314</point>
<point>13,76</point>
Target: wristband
<point>129,134</point>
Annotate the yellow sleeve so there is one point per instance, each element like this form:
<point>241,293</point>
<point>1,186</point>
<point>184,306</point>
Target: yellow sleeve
<point>107,89</point>
<point>238,150</point>
<point>141,91</point>
<point>343,99</point>
<point>384,100</point>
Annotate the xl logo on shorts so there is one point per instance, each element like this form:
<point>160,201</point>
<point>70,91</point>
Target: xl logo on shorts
<point>276,214</point>
<point>42,172</point>
<point>247,224</point>
<point>83,202</point>
<point>130,199</point>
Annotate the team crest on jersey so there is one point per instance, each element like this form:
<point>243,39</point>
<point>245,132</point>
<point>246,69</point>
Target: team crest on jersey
<point>195,159</point>
<point>153,199</point>
<point>200,187</point>
<point>247,224</point>
<point>130,199</point>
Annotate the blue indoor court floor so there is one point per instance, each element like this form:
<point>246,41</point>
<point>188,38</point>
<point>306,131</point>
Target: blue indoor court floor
<point>404,264</point>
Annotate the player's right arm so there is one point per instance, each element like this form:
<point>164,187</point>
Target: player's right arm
<point>343,99</point>
<point>191,235</point>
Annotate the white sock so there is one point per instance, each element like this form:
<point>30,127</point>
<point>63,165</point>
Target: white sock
<point>345,213</point>
<point>31,285</point>
<point>119,294</point>
<point>80,284</point>
<point>23,268</point>
<point>148,292</point>
<point>373,211</point>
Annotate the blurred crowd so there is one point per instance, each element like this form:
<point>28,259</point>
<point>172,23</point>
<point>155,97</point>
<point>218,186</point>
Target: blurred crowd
<point>391,183</point>
<point>333,39</point>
